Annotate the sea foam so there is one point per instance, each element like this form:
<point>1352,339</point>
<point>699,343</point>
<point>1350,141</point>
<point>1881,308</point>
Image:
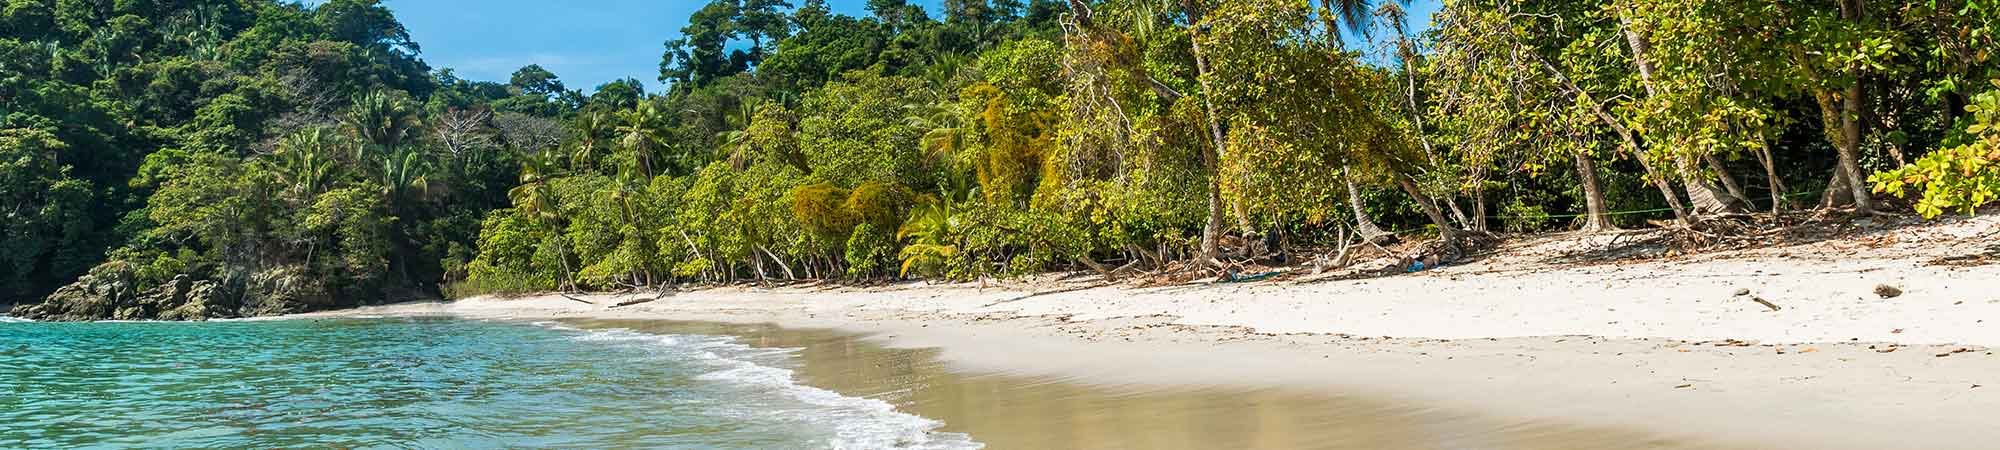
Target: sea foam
<point>857,423</point>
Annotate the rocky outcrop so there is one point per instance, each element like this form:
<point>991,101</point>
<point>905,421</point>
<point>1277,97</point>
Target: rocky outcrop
<point>117,293</point>
<point>94,296</point>
<point>284,290</point>
<point>112,292</point>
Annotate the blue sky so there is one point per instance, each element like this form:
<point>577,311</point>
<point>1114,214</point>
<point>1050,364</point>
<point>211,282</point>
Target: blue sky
<point>585,45</point>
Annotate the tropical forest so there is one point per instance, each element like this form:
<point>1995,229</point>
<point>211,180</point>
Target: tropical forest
<point>205,159</point>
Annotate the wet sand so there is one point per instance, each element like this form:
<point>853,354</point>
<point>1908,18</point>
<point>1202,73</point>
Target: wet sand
<point>1025,411</point>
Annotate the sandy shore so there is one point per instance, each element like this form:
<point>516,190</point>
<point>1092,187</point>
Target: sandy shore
<point>1555,329</point>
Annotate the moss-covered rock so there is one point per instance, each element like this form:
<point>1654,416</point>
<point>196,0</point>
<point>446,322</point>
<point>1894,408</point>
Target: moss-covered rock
<point>110,291</point>
<point>103,293</point>
<point>285,290</point>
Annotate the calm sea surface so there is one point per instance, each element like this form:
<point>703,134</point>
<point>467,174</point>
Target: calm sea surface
<point>422,383</point>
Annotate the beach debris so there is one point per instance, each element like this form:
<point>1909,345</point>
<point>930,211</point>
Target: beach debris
<point>1887,291</point>
<point>1232,276</point>
<point>1954,352</point>
<point>578,300</point>
<point>1684,386</point>
<point>1760,300</point>
<point>637,301</point>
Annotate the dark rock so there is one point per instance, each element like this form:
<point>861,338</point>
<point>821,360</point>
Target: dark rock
<point>110,291</point>
<point>284,290</point>
<point>1887,291</point>
<point>103,293</point>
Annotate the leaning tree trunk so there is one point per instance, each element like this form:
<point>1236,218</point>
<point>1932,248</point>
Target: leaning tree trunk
<point>1705,196</point>
<point>1363,224</point>
<point>1446,230</point>
<point>1631,142</point>
<point>1597,216</point>
<point>1736,193</point>
<point>1211,234</point>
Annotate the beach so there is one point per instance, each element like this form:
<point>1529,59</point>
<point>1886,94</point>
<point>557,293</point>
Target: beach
<point>1553,330</point>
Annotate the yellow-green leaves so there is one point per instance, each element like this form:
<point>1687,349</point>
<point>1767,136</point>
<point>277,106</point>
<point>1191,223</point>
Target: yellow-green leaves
<point>1957,179</point>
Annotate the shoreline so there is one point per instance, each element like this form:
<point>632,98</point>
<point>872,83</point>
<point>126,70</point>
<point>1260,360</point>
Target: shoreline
<point>1661,345</point>
<point>1005,409</point>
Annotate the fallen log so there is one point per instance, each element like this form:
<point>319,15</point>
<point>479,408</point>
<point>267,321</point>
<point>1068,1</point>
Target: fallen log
<point>635,302</point>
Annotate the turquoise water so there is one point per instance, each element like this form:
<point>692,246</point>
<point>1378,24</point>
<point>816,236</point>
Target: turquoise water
<point>419,383</point>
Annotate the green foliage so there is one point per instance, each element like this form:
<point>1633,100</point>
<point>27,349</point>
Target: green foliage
<point>1960,178</point>
<point>276,150</point>
<point>304,157</point>
<point>870,250</point>
<point>931,238</point>
<point>46,237</point>
<point>356,227</point>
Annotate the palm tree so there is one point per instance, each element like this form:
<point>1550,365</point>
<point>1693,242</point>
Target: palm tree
<point>643,133</point>
<point>1353,14</point>
<point>536,198</point>
<point>929,234</point>
<point>307,162</point>
<point>404,171</point>
<point>383,119</point>
<point>733,145</point>
<point>590,127</point>
<point>945,136</point>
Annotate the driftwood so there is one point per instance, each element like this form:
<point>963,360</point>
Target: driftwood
<point>636,302</point>
<point>578,300</point>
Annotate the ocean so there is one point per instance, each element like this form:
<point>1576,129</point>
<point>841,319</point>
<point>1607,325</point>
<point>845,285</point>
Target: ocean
<point>422,383</point>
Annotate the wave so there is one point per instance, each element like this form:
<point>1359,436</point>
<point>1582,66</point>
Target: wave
<point>857,423</point>
<point>12,319</point>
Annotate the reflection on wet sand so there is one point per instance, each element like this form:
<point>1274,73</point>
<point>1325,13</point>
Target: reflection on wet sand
<point>1012,411</point>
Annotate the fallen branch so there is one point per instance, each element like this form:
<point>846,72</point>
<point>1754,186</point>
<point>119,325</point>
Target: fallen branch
<point>578,300</point>
<point>634,302</point>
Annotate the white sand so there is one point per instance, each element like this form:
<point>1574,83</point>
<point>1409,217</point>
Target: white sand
<point>1527,334</point>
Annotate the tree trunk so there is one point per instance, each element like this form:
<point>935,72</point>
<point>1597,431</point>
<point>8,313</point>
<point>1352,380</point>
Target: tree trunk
<point>1458,213</point>
<point>1479,209</point>
<point>1597,216</point>
<point>1850,151</point>
<point>1211,234</point>
<point>1631,142</point>
<point>787,268</point>
<point>1363,224</point>
<point>1738,196</point>
<point>1837,193</point>
<point>1777,185</point>
<point>1705,196</point>
<point>1430,208</point>
<point>1851,109</point>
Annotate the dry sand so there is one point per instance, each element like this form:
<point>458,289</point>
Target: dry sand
<point>1560,329</point>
